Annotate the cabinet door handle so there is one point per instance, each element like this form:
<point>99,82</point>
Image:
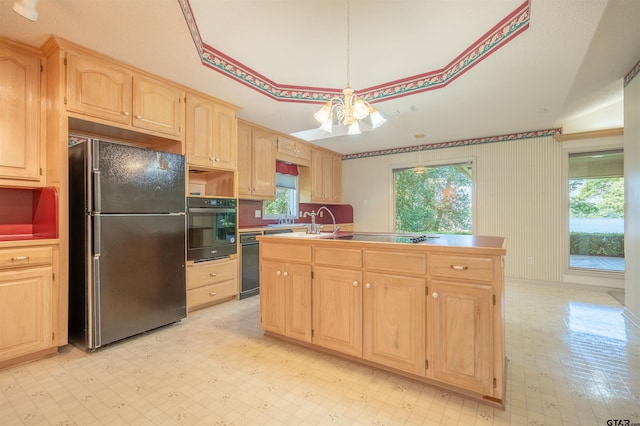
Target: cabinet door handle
<point>126,113</point>
<point>138,117</point>
<point>212,294</point>
<point>355,283</point>
<point>435,295</point>
<point>368,285</point>
<point>286,274</point>
<point>213,274</point>
<point>278,273</point>
<point>17,258</point>
<point>216,159</point>
<point>459,267</point>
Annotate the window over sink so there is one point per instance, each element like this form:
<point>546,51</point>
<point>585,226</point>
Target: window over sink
<point>285,205</point>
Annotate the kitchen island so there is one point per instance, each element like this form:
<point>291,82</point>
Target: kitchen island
<point>430,307</point>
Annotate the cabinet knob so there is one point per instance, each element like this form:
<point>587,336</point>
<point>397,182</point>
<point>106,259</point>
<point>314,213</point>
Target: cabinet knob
<point>213,274</point>
<point>368,285</point>
<point>435,295</point>
<point>355,283</point>
<point>212,294</point>
<point>126,113</point>
<point>138,117</point>
<point>278,273</point>
<point>216,159</point>
<point>286,274</point>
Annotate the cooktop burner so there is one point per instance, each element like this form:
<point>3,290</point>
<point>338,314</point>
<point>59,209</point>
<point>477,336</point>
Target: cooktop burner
<point>387,238</point>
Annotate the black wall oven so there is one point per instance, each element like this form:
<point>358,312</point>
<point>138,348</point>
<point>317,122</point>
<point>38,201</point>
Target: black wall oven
<point>212,230</point>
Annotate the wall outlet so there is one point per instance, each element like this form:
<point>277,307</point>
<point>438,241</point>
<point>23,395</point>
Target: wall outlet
<point>258,213</point>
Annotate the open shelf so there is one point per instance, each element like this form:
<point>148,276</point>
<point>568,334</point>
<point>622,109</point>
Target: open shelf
<point>210,183</point>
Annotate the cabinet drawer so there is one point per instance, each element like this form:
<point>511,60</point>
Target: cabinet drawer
<point>25,256</point>
<point>467,267</point>
<point>331,256</point>
<point>211,293</point>
<point>285,252</point>
<point>202,274</point>
<point>388,261</point>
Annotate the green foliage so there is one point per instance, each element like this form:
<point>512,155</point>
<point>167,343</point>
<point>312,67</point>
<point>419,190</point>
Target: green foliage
<point>436,201</point>
<point>596,244</point>
<point>596,198</point>
<point>279,206</point>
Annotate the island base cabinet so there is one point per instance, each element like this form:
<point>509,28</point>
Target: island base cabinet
<point>26,317</point>
<point>460,335</point>
<point>394,318</point>
<point>285,299</point>
<point>337,309</point>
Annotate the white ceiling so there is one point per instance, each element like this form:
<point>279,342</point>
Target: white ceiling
<point>564,70</point>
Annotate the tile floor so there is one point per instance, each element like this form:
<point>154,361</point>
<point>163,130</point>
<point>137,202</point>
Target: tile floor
<point>573,360</point>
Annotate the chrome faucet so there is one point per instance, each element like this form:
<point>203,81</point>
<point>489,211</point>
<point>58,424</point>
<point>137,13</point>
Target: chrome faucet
<point>315,229</point>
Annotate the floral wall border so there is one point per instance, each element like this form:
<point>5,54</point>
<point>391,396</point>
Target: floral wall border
<point>506,30</point>
<point>453,144</point>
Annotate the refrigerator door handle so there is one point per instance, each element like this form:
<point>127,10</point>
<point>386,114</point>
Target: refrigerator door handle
<point>94,334</point>
<point>97,235</point>
<point>97,196</point>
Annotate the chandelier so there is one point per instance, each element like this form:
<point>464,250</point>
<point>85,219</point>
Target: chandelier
<point>350,108</point>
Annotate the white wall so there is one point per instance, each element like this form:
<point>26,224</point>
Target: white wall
<point>632,197</point>
<point>519,189</point>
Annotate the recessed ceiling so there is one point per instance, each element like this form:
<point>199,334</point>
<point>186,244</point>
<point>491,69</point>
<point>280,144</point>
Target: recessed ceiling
<point>568,62</point>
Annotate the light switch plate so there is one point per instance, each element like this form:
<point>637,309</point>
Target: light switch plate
<point>258,213</point>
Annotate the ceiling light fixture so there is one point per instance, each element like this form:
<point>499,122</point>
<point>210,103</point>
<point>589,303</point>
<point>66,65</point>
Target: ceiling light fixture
<point>26,8</point>
<point>349,108</point>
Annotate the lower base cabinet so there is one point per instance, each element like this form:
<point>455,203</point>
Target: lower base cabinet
<point>394,321</point>
<point>26,302</point>
<point>461,339</point>
<point>285,299</point>
<point>337,309</point>
<point>211,282</point>
<point>431,316</point>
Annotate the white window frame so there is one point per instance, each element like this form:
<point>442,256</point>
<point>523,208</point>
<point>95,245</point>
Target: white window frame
<point>578,276</point>
<point>433,163</point>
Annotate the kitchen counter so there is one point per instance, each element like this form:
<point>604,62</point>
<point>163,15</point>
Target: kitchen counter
<point>430,242</point>
<point>429,307</point>
<point>295,226</point>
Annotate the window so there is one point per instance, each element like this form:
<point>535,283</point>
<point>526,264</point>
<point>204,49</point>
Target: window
<point>285,204</point>
<point>596,211</point>
<point>434,199</point>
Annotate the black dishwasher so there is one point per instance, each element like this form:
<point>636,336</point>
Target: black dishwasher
<point>251,261</point>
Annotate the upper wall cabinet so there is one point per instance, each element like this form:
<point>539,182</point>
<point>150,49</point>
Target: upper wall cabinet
<point>257,164</point>
<point>293,151</point>
<point>322,182</point>
<point>108,91</point>
<point>211,133</point>
<point>21,144</point>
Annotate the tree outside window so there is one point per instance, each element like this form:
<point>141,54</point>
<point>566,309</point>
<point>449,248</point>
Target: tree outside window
<point>434,199</point>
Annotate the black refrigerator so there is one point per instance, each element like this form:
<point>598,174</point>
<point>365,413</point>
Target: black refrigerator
<point>127,236</point>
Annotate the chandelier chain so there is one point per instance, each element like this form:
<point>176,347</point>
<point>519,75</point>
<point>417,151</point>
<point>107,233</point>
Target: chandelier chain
<point>348,46</point>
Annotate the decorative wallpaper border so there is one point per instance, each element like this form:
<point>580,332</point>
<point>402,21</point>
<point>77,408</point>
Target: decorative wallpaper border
<point>452,144</point>
<point>506,30</point>
<point>631,74</point>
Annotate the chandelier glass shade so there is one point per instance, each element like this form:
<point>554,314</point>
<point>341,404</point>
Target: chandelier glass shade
<point>349,109</point>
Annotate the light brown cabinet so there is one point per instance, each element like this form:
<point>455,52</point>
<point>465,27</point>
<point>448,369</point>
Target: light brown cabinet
<point>322,182</point>
<point>26,303</point>
<point>211,134</point>
<point>21,115</point>
<point>461,321</point>
<point>337,309</point>
<point>211,282</point>
<point>285,292</point>
<point>428,313</point>
<point>105,90</point>
<point>257,164</point>
<point>293,151</point>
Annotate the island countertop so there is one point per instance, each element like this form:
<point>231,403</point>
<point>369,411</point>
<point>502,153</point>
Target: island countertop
<point>431,242</point>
